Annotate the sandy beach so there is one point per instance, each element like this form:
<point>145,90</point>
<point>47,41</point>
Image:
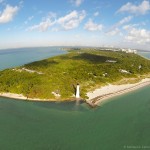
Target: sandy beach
<point>13,95</point>
<point>21,97</point>
<point>108,91</point>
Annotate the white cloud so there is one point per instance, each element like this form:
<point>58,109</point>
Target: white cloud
<point>130,26</point>
<point>124,20</point>
<point>77,2</point>
<point>68,22</point>
<point>91,26</point>
<point>46,22</point>
<point>114,29</point>
<point>72,20</point>
<point>139,36</point>
<point>55,29</point>
<point>96,14</point>
<point>42,26</point>
<point>114,32</point>
<point>8,14</point>
<point>142,8</point>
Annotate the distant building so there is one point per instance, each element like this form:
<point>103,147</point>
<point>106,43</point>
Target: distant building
<point>129,51</point>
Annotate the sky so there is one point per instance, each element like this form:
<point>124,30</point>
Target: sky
<point>98,23</point>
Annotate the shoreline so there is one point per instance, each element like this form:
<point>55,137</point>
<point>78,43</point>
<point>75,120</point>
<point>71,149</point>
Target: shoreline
<point>104,93</point>
<point>95,97</point>
<point>22,97</point>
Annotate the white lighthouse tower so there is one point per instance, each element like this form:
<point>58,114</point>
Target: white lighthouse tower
<point>78,91</point>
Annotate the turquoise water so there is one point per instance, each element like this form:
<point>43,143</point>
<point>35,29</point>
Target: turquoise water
<point>121,123</point>
<point>16,57</point>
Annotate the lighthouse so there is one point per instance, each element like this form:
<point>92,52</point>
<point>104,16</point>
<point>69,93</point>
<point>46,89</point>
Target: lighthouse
<point>78,91</point>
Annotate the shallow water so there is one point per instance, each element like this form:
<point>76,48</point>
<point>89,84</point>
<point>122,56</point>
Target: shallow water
<point>123,121</point>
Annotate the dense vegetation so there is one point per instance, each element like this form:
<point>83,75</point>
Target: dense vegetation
<point>60,74</point>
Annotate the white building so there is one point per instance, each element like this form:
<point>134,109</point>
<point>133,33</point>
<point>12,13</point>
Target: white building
<point>129,51</point>
<point>124,71</point>
<point>78,91</point>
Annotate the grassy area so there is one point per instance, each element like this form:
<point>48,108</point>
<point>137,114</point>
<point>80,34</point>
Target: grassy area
<point>60,74</point>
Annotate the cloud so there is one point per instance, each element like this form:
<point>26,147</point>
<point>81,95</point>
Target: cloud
<point>142,8</point>
<point>77,2</point>
<point>114,29</point>
<point>130,26</point>
<point>91,26</point>
<point>114,32</point>
<point>71,20</point>
<point>124,20</point>
<point>42,26</point>
<point>139,36</point>
<point>46,22</point>
<point>67,22</point>
<point>96,14</point>
<point>8,14</point>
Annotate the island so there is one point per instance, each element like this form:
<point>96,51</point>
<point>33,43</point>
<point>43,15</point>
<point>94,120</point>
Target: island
<point>95,70</point>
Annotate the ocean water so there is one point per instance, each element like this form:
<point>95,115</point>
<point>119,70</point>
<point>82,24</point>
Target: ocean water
<point>121,123</point>
<point>145,54</point>
<point>17,57</point>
